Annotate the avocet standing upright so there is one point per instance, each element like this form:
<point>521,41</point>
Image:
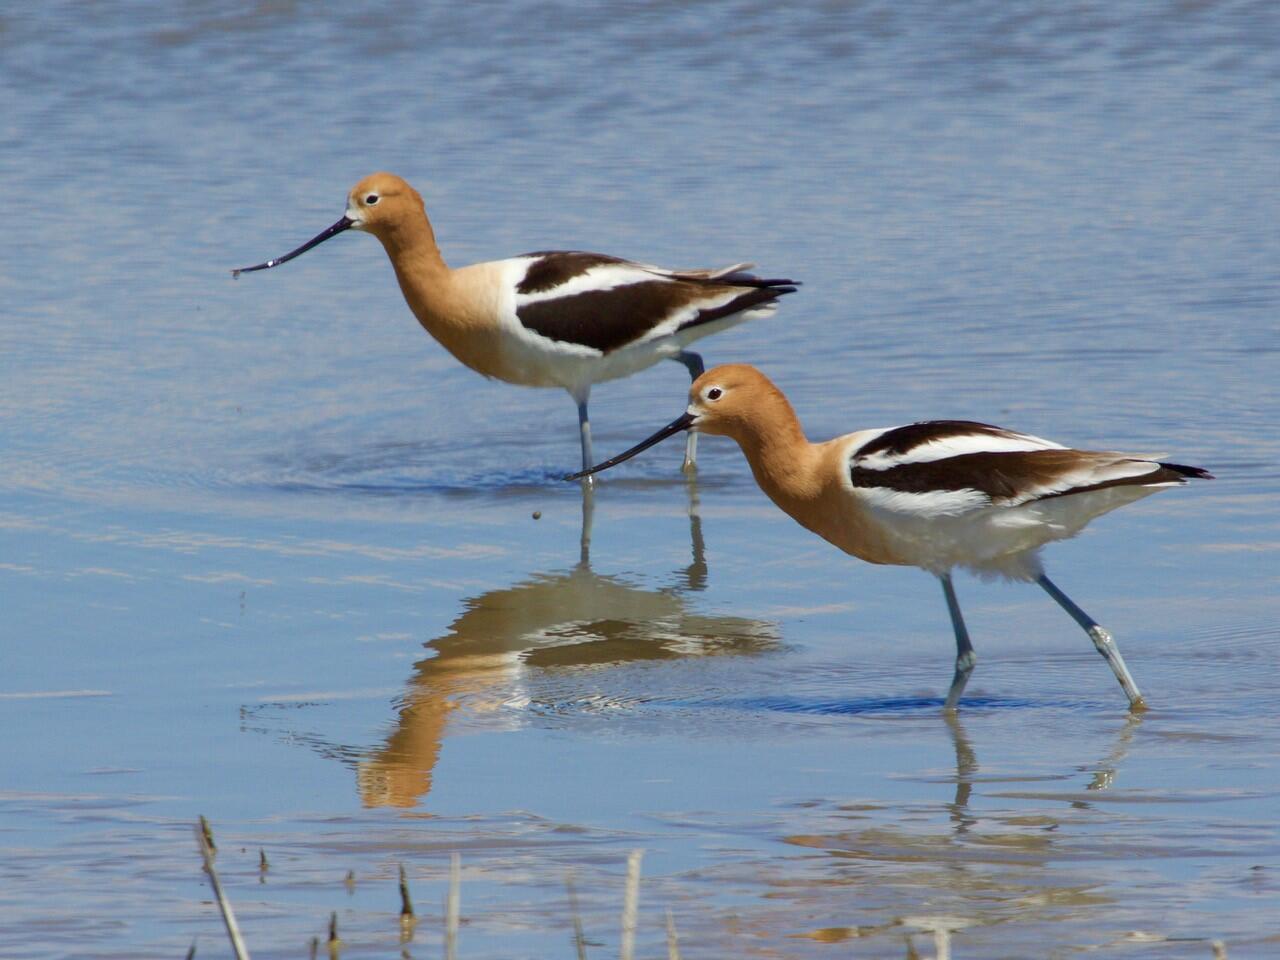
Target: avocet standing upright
<point>558,318</point>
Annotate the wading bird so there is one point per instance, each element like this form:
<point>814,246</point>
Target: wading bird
<point>556,318</point>
<point>937,495</point>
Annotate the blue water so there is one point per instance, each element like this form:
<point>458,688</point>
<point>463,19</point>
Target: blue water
<point>268,554</point>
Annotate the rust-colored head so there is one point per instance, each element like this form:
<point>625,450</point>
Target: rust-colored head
<point>734,400</point>
<point>737,400</point>
<point>382,202</point>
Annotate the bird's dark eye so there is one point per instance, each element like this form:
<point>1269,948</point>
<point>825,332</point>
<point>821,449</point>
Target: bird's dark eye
<point>371,199</point>
<point>714,393</point>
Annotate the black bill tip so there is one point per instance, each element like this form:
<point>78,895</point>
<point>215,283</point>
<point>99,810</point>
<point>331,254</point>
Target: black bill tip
<point>681,423</point>
<point>343,224</point>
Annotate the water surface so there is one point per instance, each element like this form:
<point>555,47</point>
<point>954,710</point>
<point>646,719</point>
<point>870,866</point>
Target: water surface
<point>268,554</point>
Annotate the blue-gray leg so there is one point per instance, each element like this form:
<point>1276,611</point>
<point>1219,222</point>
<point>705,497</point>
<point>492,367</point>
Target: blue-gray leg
<point>584,431</point>
<point>693,363</point>
<point>965,657</point>
<point>1102,640</point>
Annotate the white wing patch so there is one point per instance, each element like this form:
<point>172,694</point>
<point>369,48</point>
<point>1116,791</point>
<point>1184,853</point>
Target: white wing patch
<point>606,276</point>
<point>926,506</point>
<point>953,446</point>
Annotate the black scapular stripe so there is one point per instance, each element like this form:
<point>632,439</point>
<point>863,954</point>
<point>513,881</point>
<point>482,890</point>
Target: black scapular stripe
<point>557,267</point>
<point>901,439</point>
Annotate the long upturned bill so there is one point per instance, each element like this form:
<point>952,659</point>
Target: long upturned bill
<point>343,224</point>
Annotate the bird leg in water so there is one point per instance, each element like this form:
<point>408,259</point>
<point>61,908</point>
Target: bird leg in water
<point>965,657</point>
<point>1101,639</point>
<point>584,431</point>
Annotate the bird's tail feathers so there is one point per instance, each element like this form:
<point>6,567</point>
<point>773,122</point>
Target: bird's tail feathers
<point>1195,473</point>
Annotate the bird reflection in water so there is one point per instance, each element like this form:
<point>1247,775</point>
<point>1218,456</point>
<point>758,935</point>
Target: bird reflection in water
<point>986,865</point>
<point>572,621</point>
<point>1103,772</point>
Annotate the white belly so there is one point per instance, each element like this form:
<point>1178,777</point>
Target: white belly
<point>996,540</point>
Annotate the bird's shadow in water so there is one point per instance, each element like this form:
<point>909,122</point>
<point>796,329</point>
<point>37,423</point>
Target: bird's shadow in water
<point>877,706</point>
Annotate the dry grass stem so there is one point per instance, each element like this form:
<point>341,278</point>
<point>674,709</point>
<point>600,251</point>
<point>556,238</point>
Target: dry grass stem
<point>406,903</point>
<point>630,905</point>
<point>579,939</point>
<point>335,942</point>
<point>942,943</point>
<point>204,837</point>
<point>452,907</point>
<point>208,837</point>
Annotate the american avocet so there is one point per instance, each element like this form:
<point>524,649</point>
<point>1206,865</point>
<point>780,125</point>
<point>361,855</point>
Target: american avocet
<point>936,495</point>
<point>554,318</point>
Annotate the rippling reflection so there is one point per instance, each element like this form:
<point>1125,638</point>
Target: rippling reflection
<point>985,866</point>
<point>571,620</point>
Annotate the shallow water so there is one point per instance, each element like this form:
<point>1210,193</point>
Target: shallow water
<point>269,555</point>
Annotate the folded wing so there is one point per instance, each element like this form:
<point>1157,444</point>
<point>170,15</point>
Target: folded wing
<point>951,467</point>
<point>604,303</point>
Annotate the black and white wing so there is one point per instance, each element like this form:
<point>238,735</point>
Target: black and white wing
<point>951,467</point>
<point>603,303</point>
